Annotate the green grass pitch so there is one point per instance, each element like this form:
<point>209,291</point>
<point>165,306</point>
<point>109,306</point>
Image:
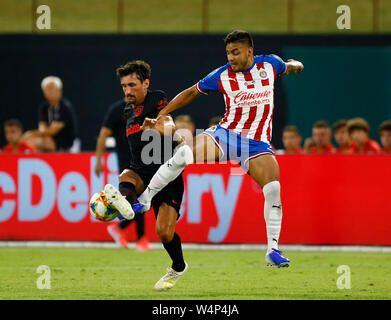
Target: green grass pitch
<point>113,274</point>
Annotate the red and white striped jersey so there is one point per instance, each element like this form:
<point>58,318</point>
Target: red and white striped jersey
<point>248,95</point>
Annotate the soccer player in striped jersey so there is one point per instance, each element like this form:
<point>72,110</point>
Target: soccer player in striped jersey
<point>244,133</point>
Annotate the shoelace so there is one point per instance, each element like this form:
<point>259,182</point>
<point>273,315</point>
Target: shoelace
<point>170,273</point>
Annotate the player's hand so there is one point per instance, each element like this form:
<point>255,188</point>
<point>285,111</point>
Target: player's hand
<point>162,113</point>
<point>98,167</point>
<point>163,124</point>
<point>308,143</point>
<point>295,66</point>
<point>148,124</point>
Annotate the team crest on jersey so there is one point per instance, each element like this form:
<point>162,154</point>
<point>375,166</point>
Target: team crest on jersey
<point>263,74</point>
<point>138,111</point>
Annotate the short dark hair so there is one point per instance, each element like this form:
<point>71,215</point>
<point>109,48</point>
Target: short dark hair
<point>358,123</point>
<point>239,36</point>
<point>385,126</point>
<point>321,124</point>
<point>140,67</point>
<point>13,123</point>
<point>339,124</point>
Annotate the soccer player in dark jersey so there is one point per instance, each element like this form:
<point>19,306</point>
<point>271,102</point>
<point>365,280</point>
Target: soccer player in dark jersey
<point>142,103</point>
<point>114,124</point>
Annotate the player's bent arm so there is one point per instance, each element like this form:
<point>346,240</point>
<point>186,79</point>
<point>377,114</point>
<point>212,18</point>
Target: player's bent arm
<point>53,129</point>
<point>293,66</point>
<point>101,148</point>
<point>181,100</point>
<point>42,125</point>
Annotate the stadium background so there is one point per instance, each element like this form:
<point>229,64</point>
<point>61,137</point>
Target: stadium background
<point>89,39</point>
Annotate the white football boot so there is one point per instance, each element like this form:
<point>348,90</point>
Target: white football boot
<point>169,279</point>
<point>118,201</point>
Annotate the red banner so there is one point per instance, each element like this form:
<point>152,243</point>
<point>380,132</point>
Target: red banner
<point>327,199</point>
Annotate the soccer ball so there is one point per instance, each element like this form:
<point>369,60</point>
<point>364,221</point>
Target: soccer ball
<point>100,209</point>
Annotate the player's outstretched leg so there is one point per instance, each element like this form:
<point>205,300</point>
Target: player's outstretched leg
<point>167,172</point>
<point>118,201</point>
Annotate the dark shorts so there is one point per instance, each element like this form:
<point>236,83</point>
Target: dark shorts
<point>171,194</point>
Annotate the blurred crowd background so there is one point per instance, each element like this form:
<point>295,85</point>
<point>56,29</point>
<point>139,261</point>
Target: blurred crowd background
<point>58,84</point>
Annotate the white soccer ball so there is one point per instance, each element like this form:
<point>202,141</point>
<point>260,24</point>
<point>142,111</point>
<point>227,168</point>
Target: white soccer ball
<point>100,209</point>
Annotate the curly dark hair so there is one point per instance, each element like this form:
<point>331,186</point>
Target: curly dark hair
<point>140,67</point>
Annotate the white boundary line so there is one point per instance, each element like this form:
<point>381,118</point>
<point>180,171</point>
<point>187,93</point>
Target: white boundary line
<point>196,246</point>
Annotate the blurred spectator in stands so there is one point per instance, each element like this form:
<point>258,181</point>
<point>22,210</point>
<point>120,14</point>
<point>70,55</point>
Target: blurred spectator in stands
<point>342,137</point>
<point>57,124</point>
<point>358,129</point>
<point>114,124</point>
<point>214,121</point>
<point>291,139</point>
<point>185,128</point>
<point>385,136</point>
<point>13,131</point>
<point>320,142</point>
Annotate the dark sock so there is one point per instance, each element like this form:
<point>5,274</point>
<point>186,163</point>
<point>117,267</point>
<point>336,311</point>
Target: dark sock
<point>124,223</point>
<point>174,249</point>
<point>139,218</point>
<point>128,190</point>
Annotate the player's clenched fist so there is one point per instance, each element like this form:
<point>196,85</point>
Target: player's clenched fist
<point>293,66</point>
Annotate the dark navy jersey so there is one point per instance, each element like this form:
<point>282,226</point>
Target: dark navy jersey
<point>146,153</point>
<point>115,120</point>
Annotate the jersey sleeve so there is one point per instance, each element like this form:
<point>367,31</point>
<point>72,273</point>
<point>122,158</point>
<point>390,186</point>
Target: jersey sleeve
<point>276,62</point>
<point>157,102</point>
<point>210,82</point>
<point>161,101</point>
<point>111,119</point>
